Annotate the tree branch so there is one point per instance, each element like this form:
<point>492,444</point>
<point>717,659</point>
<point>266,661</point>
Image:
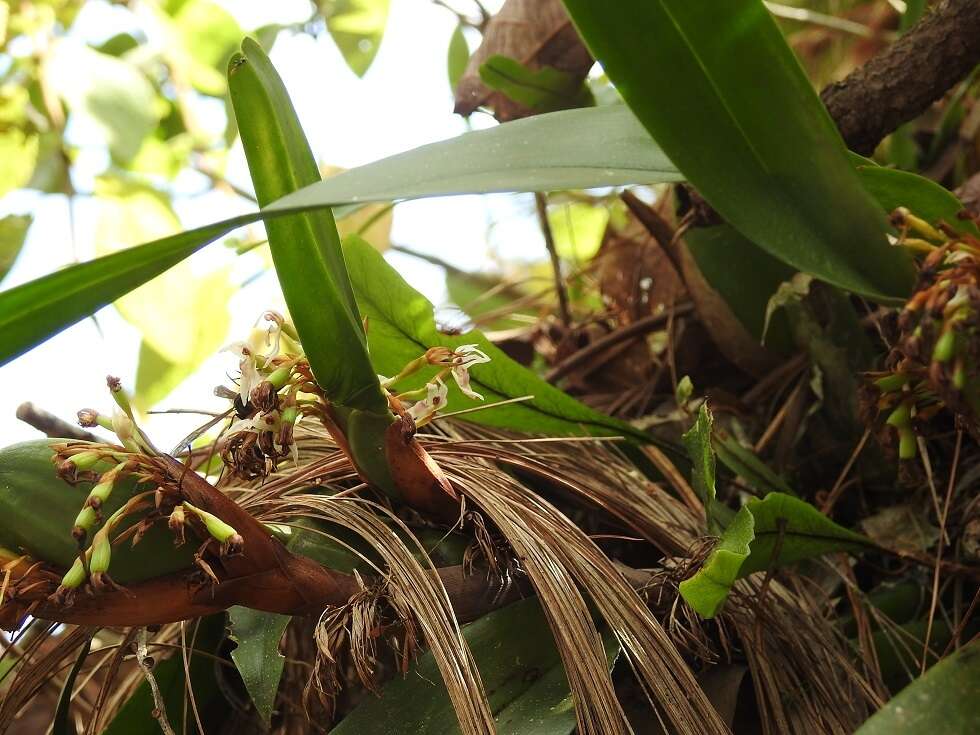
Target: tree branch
<point>899,84</point>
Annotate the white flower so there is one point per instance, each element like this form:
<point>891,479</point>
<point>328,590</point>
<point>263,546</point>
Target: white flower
<point>436,397</point>
<point>464,357</point>
<point>262,345</point>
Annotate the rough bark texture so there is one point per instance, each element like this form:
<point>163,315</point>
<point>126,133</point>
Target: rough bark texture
<point>900,83</point>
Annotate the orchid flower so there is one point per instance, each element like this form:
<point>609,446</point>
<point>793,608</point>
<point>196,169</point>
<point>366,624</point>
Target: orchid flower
<point>255,353</point>
<point>436,397</point>
<point>459,361</point>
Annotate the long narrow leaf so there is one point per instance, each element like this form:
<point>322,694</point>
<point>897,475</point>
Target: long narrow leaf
<point>306,249</point>
<point>721,92</point>
<point>576,148</point>
<point>33,312</point>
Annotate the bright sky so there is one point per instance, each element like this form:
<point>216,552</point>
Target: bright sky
<point>403,102</point>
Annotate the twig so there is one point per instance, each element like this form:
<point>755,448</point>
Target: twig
<point>549,242</point>
<point>939,548</point>
<point>631,331</point>
<point>838,488</point>
<point>146,664</point>
<point>51,425</point>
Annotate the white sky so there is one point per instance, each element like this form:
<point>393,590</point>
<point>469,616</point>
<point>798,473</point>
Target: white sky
<point>404,101</point>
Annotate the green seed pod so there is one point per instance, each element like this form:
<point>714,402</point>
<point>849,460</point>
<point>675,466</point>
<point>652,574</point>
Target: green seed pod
<point>75,576</point>
<point>945,347</point>
<point>901,416</point>
<point>892,383</point>
<point>907,444</point>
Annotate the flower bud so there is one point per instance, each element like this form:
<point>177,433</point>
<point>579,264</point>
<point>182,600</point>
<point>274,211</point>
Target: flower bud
<point>74,577</point>
<point>901,417</point>
<point>86,518</point>
<point>101,553</point>
<point>123,426</point>
<point>85,460</point>
<point>220,531</point>
<point>945,347</point>
<point>119,394</point>
<point>907,444</point>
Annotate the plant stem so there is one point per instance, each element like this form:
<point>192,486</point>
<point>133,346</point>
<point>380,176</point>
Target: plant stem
<point>549,242</point>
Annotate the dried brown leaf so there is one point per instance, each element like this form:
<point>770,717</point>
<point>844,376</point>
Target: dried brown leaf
<point>537,33</point>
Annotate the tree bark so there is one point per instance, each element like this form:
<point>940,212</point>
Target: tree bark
<point>900,83</point>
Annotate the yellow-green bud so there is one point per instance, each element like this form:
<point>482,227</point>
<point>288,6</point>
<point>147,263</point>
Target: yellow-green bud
<point>101,553</point>
<point>119,395</point>
<point>219,530</point>
<point>74,577</point>
<point>85,460</point>
<point>901,416</point>
<point>279,377</point>
<point>945,347</point>
<point>907,444</point>
<point>85,519</point>
<point>892,383</point>
<point>959,375</point>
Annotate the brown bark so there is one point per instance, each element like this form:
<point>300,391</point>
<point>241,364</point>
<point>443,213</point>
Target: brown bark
<point>901,82</point>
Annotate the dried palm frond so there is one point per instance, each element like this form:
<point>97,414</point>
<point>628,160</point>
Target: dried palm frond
<point>557,554</point>
<point>411,590</point>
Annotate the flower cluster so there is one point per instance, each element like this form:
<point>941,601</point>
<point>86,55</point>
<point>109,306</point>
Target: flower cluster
<point>266,403</point>
<point>434,396</point>
<point>935,362</point>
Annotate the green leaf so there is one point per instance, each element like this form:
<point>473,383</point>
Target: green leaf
<point>570,149</point>
<point>109,92</point>
<point>34,311</point>
<point>777,522</point>
<point>807,533</point>
<point>600,146</point>
<point>457,56</point>
<point>306,250</point>
<point>721,92</point>
<point>356,26</point>
<point>744,463</point>
<point>521,672</point>
<point>136,716</point>
<point>62,724</point>
<point>13,232</point>
<point>697,442</point>
<point>923,197</point>
<point>707,590</point>
<point>401,327</point>
<point>257,655</point>
<point>745,275</point>
<point>542,90</point>
<point>943,700</point>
